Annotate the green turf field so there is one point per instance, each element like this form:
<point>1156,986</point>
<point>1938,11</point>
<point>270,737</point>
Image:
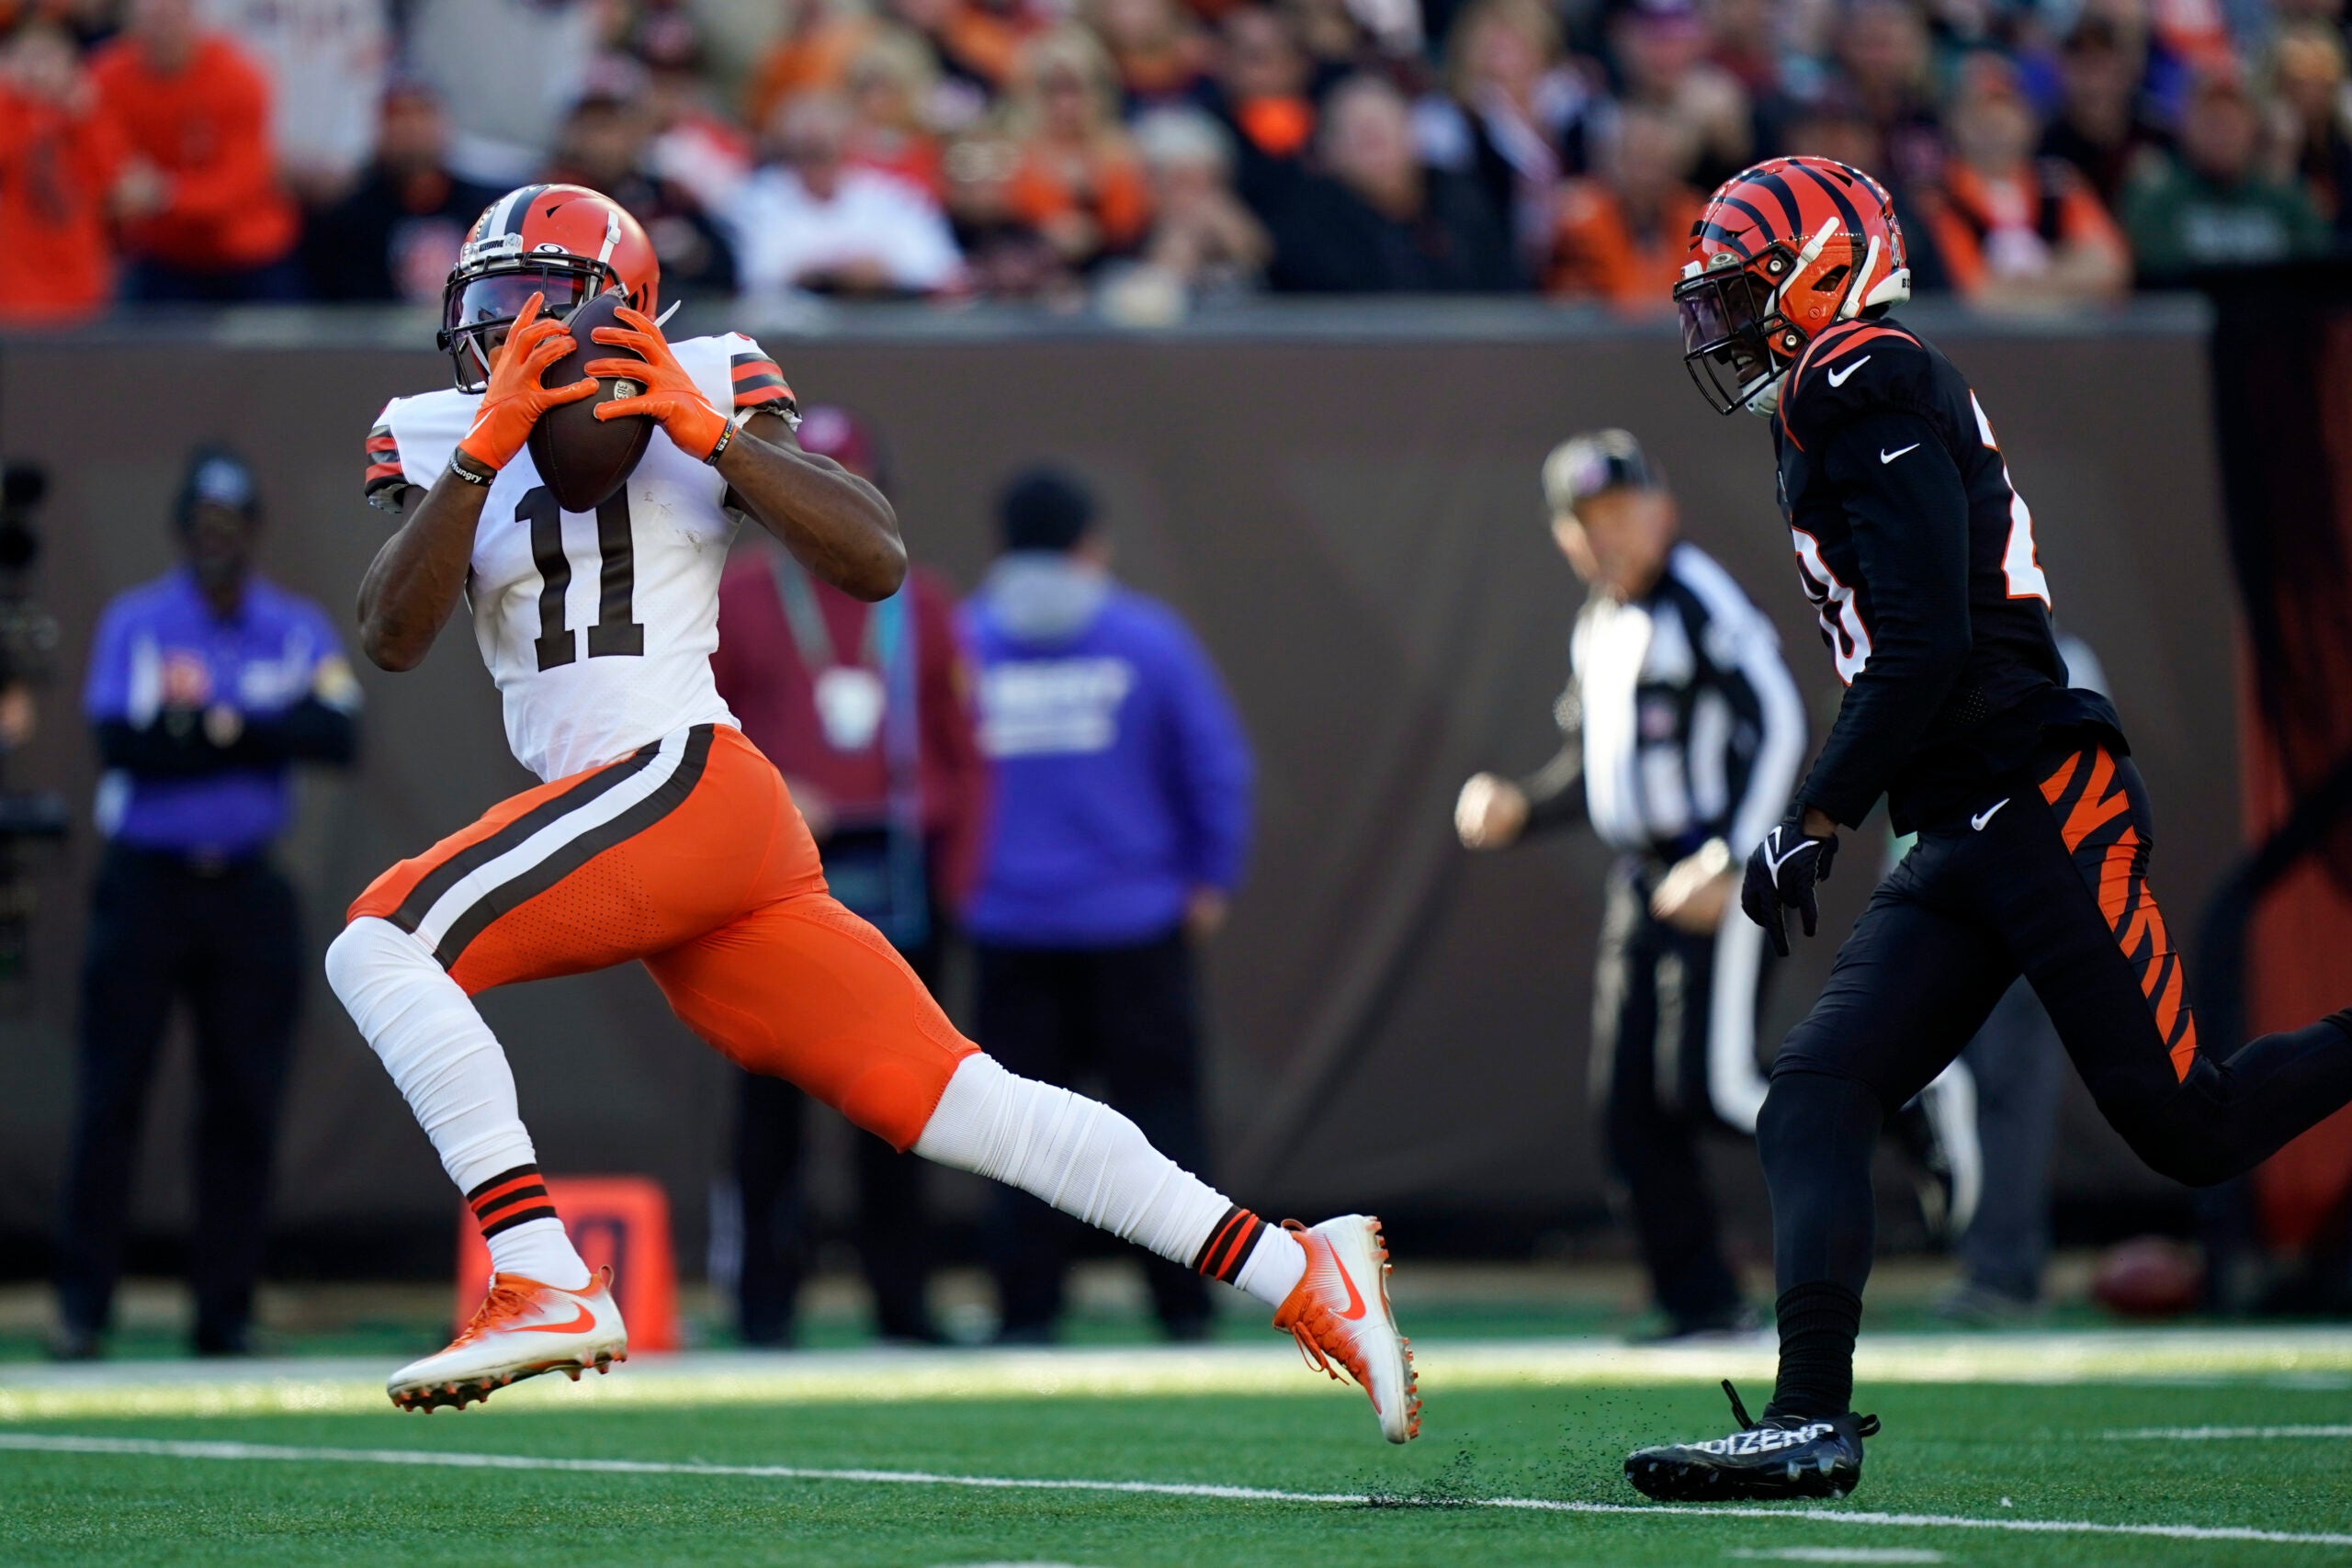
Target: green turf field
<point>697,1468</point>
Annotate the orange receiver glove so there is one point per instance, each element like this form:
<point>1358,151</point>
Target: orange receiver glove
<point>670,397</point>
<point>513,400</point>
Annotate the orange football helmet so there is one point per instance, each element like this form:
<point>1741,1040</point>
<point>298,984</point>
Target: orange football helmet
<point>567,242</point>
<point>1782,251</point>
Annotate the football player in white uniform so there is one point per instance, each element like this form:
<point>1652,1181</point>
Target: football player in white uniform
<point>662,836</point>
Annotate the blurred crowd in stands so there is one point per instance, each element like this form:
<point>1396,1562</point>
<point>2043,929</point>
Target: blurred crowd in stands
<point>1151,153</point>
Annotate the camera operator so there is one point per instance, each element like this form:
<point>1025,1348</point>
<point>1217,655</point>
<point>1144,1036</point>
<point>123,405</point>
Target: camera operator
<point>205,687</point>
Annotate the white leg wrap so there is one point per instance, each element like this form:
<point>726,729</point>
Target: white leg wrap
<point>1273,1267</point>
<point>449,1067</point>
<point>1078,1155</point>
<point>443,1058</point>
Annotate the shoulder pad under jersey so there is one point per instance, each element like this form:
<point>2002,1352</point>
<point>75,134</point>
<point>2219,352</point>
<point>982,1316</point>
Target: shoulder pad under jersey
<point>1854,370</point>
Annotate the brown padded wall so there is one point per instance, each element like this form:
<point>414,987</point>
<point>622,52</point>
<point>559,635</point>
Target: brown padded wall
<point>1353,527</point>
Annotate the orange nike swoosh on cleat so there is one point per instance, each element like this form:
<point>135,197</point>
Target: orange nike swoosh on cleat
<point>588,1320</point>
<point>1355,1302</point>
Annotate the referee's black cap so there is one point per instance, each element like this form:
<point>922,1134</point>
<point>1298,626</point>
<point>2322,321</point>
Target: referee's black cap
<point>1584,466</point>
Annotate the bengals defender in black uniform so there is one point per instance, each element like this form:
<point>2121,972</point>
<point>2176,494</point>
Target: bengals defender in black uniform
<point>2034,829</point>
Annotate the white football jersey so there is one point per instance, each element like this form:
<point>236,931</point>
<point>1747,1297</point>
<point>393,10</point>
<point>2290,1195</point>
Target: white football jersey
<point>598,627</point>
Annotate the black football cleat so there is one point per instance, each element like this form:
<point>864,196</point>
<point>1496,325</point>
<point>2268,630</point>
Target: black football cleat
<point>1785,1456</point>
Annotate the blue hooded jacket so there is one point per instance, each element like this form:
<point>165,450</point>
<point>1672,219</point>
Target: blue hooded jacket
<point>1121,775</point>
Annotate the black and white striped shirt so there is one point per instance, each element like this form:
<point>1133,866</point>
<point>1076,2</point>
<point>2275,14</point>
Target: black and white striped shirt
<point>1680,721</point>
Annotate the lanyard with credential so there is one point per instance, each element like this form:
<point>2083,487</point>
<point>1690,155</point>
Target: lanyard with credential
<point>848,722</point>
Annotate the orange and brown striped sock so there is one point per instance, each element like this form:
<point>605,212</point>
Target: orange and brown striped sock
<point>510,1197</point>
<point>1229,1244</point>
<point>525,1235</point>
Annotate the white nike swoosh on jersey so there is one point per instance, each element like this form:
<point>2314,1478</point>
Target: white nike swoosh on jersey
<point>1837,378</point>
<point>1986,815</point>
<point>1886,456</point>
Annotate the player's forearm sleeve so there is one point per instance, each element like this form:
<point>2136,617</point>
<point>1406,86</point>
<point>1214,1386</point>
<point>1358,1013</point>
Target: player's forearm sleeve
<point>1909,515</point>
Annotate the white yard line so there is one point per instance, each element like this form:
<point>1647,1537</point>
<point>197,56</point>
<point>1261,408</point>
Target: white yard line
<point>1835,1554</point>
<point>158,1447</point>
<point>2214,1434</point>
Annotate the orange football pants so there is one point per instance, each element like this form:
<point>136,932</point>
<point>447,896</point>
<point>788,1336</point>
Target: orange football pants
<point>688,856</point>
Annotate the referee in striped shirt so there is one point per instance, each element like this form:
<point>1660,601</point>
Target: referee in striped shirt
<point>1682,736</point>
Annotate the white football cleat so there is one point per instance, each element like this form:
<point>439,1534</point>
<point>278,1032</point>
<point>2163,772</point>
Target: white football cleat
<point>521,1329</point>
<point>1338,1312</point>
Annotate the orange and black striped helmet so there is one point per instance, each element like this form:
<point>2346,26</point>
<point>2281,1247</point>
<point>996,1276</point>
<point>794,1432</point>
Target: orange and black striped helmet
<point>567,242</point>
<point>1782,251</point>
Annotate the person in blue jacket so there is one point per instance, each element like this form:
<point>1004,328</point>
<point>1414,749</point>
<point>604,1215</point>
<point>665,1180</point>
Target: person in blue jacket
<point>1122,782</point>
<point>207,687</point>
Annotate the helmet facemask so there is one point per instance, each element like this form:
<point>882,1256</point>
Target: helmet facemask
<point>1730,319</point>
<point>478,307</point>
<point>1744,322</point>
<point>567,243</point>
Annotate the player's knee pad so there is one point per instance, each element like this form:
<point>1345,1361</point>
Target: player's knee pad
<point>1807,1106</point>
<point>368,954</point>
<point>1813,1121</point>
<point>895,1099</point>
<point>403,1001</point>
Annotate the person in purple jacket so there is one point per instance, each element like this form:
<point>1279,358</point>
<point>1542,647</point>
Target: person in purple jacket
<point>206,686</point>
<point>1122,820</point>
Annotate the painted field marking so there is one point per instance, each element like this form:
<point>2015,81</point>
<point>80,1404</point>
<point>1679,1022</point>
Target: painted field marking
<point>160,1448</point>
<point>1837,1554</point>
<point>2217,1434</point>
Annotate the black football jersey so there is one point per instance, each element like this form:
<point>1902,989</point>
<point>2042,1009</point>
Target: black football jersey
<point>1918,555</point>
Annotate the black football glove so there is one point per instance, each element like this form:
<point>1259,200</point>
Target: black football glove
<point>1781,873</point>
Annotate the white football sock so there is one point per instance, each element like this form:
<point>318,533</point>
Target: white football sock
<point>1086,1160</point>
<point>539,1249</point>
<point>1274,1267</point>
<point>449,1067</point>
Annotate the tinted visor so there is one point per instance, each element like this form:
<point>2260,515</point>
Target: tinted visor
<point>1724,317</point>
<point>475,313</point>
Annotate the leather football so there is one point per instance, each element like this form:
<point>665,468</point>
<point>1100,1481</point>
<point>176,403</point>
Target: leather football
<point>582,459</point>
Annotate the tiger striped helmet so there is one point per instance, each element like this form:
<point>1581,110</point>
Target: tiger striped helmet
<point>1782,251</point>
<point>566,243</point>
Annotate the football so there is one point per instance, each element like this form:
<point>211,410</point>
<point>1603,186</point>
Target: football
<point>2149,1276</point>
<point>582,459</point>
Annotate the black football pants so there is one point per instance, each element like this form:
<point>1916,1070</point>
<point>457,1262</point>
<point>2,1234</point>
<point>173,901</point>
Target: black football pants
<point>228,940</point>
<point>2046,876</point>
<point>892,1228</point>
<point>1128,1019</point>
<point>1658,1032</point>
